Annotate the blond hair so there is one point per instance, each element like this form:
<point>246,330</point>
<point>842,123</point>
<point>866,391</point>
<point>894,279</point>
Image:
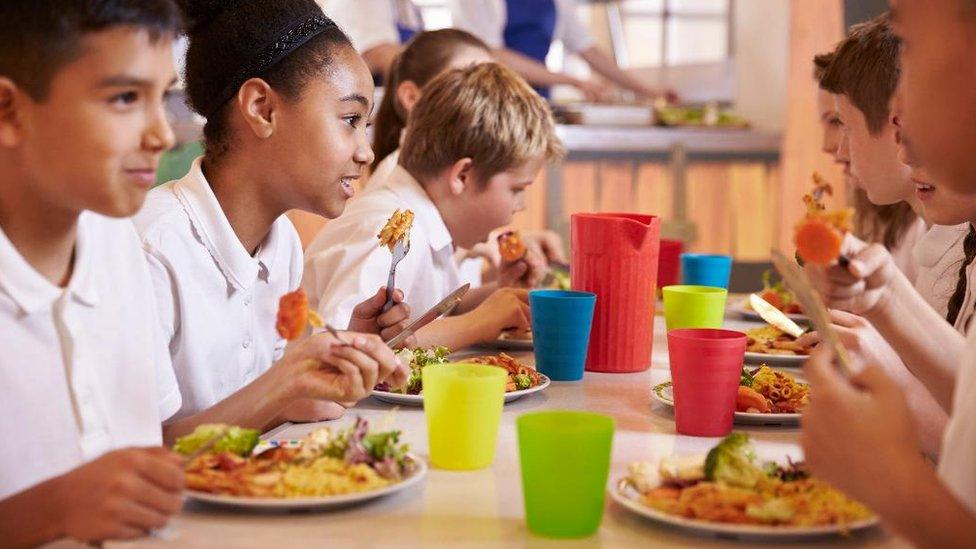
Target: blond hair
<point>486,113</point>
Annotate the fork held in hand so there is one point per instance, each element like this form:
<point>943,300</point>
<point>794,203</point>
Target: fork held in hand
<point>399,252</point>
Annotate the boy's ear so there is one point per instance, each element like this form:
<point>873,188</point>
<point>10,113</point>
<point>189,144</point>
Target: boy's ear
<point>408,93</point>
<point>10,121</point>
<point>257,103</point>
<point>461,176</point>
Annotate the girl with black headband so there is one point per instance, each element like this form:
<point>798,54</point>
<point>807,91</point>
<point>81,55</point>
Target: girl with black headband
<point>286,100</point>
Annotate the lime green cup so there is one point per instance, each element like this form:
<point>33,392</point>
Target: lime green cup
<point>694,306</point>
<point>463,404</point>
<point>565,460</point>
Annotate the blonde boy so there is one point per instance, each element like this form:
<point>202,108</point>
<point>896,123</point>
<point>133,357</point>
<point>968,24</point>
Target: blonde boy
<point>475,140</point>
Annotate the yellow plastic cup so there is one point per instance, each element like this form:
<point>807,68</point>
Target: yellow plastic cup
<point>463,404</point>
<point>694,306</point>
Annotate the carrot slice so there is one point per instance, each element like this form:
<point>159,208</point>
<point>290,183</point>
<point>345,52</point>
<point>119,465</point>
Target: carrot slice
<point>293,315</point>
<point>818,241</point>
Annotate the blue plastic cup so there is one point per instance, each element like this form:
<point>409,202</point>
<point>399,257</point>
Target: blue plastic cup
<point>706,270</point>
<point>561,322</point>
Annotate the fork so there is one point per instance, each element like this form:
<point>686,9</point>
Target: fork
<point>399,252</point>
<point>335,334</point>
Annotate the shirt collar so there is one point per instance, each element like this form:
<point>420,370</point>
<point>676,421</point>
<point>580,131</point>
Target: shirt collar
<point>415,197</point>
<point>31,291</point>
<point>214,231</point>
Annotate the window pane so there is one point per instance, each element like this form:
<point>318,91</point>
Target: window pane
<point>643,37</point>
<point>696,41</point>
<point>699,6</point>
<point>643,6</point>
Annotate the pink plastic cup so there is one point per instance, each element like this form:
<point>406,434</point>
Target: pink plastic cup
<point>669,263</point>
<point>705,368</point>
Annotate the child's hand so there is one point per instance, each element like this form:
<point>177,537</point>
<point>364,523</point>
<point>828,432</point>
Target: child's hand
<point>547,244</point>
<point>865,344</point>
<point>306,410</point>
<point>123,494</point>
<point>527,272</point>
<point>854,429</point>
<point>368,317</point>
<point>504,309</point>
<point>319,367</point>
<point>860,286</point>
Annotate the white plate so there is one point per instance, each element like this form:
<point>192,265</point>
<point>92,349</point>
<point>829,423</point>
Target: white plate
<point>628,498</point>
<point>662,392</point>
<point>310,503</point>
<point>788,361</point>
<point>418,400</point>
<point>746,312</point>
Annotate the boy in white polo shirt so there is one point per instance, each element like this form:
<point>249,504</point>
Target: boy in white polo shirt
<point>475,140</point>
<point>86,379</point>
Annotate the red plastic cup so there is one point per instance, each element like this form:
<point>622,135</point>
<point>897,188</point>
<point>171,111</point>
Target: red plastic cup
<point>705,368</point>
<point>669,263</point>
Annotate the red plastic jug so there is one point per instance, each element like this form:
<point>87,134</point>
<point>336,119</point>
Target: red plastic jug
<point>615,256</point>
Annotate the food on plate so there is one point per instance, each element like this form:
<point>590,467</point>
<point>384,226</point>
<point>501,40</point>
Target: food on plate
<point>767,391</point>
<point>326,463</point>
<point>777,295</point>
<point>707,115</point>
<point>770,340</point>
<point>417,359</point>
<point>520,376</point>
<point>729,486</point>
<point>294,315</point>
<point>236,440</point>
<point>819,235</point>
<point>511,246</point>
<point>397,228</point>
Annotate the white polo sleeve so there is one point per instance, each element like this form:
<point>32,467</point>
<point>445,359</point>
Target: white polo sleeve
<point>573,33</point>
<point>482,18</point>
<point>368,23</point>
<point>163,307</point>
<point>347,273</point>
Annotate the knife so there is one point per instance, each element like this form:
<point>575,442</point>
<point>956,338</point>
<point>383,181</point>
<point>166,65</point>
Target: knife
<point>443,308</point>
<point>774,316</point>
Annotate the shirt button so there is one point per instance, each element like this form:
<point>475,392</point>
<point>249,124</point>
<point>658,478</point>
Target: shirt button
<point>247,300</point>
<point>247,343</point>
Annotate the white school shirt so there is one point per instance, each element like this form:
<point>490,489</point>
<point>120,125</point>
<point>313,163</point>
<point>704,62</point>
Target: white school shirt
<point>83,369</point>
<point>903,253</point>
<point>371,23</point>
<point>217,303</point>
<point>346,265</point>
<point>957,465</point>
<point>939,254</point>
<point>487,19</point>
<point>469,269</point>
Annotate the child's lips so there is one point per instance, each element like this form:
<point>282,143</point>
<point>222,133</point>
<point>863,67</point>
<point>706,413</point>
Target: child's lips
<point>346,184</point>
<point>142,176</point>
<point>923,190</point>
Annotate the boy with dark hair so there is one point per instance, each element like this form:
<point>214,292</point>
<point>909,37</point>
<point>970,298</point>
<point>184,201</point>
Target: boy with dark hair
<point>86,378</point>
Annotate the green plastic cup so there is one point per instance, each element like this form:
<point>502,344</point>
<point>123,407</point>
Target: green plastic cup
<point>694,306</point>
<point>463,404</point>
<point>565,460</point>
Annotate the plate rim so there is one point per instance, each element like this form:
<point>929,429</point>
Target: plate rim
<point>750,418</point>
<point>418,400</point>
<point>722,528</point>
<point>245,502</point>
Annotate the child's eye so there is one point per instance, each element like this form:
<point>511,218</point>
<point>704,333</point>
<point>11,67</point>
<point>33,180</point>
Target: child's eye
<point>124,98</point>
<point>353,120</point>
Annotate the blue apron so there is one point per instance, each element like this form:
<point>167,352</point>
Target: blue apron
<point>530,28</point>
<point>406,33</point>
